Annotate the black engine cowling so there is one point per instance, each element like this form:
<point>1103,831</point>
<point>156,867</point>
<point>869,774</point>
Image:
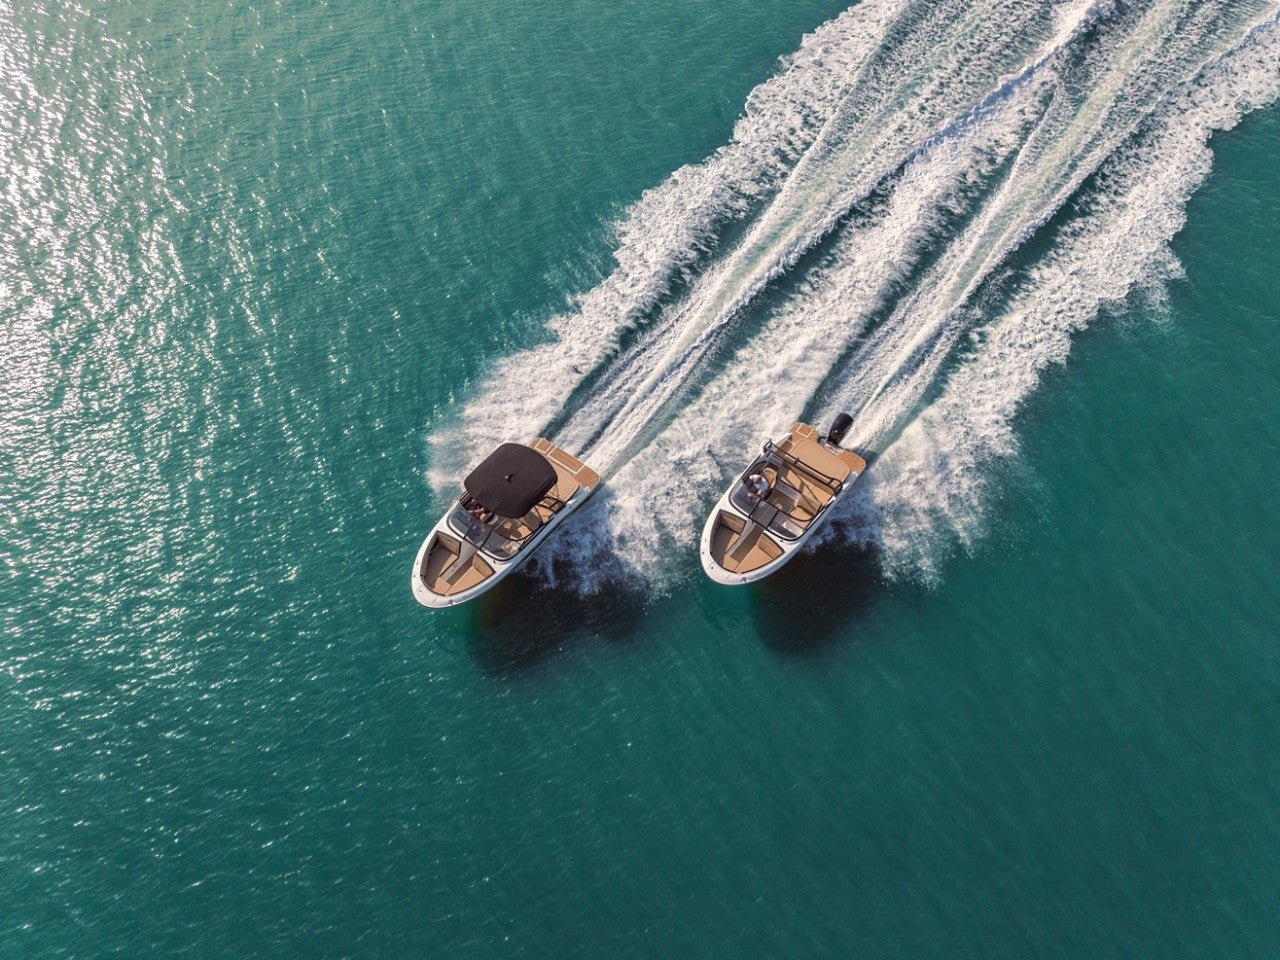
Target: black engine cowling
<point>839,427</point>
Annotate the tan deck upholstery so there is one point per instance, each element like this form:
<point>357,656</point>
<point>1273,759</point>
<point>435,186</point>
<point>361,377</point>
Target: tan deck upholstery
<point>519,529</point>
<point>802,431</point>
<point>800,492</point>
<point>571,473</point>
<point>799,502</point>
<point>817,457</point>
<point>442,577</point>
<point>739,554</point>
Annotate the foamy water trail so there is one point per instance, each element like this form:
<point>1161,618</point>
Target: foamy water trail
<point>869,138</point>
<point>890,374</point>
<point>927,493</point>
<point>864,94</point>
<point>774,374</point>
<point>664,235</point>
<point>894,225</point>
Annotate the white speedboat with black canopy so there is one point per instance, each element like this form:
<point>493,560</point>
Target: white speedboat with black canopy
<point>510,503</point>
<point>777,503</point>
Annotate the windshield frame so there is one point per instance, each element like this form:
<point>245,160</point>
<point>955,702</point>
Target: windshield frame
<point>488,539</point>
<point>771,454</point>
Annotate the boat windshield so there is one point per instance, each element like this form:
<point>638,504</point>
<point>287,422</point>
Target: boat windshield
<point>797,494</point>
<point>502,537</point>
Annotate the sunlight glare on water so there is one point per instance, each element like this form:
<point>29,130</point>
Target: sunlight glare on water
<point>274,275</point>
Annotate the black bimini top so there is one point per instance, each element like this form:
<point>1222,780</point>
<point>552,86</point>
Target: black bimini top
<point>511,480</point>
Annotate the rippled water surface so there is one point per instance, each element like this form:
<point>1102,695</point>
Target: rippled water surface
<point>272,275</point>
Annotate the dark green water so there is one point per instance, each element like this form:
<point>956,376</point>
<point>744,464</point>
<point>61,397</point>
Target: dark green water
<point>252,255</point>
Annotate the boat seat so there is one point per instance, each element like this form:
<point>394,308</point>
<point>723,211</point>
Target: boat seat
<point>466,551</point>
<point>739,545</point>
<point>823,460</point>
<point>818,494</point>
<point>794,504</point>
<point>760,518</point>
<point>519,530</point>
<point>571,473</point>
<point>544,511</point>
<point>746,540</point>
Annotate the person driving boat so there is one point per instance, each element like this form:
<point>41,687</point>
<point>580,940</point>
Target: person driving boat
<point>758,486</point>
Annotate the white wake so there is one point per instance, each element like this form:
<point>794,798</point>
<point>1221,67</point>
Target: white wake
<point>888,176</point>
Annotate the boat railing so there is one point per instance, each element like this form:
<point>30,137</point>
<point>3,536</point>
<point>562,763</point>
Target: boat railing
<point>492,540</point>
<point>831,483</point>
<point>779,512</point>
<point>775,455</point>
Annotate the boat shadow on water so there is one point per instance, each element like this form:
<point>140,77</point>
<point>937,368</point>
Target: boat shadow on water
<point>522,623</point>
<point>815,600</point>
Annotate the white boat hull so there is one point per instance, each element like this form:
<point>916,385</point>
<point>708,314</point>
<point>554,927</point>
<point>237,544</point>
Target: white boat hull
<point>789,547</point>
<point>805,476</point>
<point>501,568</point>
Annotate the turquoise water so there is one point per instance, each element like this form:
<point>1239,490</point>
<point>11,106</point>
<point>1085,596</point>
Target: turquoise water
<point>268,275</point>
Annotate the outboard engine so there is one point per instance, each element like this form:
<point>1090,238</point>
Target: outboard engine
<point>839,427</point>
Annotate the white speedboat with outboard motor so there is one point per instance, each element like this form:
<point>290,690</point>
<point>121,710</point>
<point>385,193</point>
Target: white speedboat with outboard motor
<point>768,513</point>
<point>509,505</point>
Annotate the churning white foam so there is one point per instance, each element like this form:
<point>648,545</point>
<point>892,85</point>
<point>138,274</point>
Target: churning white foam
<point>863,95</point>
<point>1123,95</point>
<point>930,489</point>
<point>773,374</point>
<point>884,122</point>
<point>664,235</point>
